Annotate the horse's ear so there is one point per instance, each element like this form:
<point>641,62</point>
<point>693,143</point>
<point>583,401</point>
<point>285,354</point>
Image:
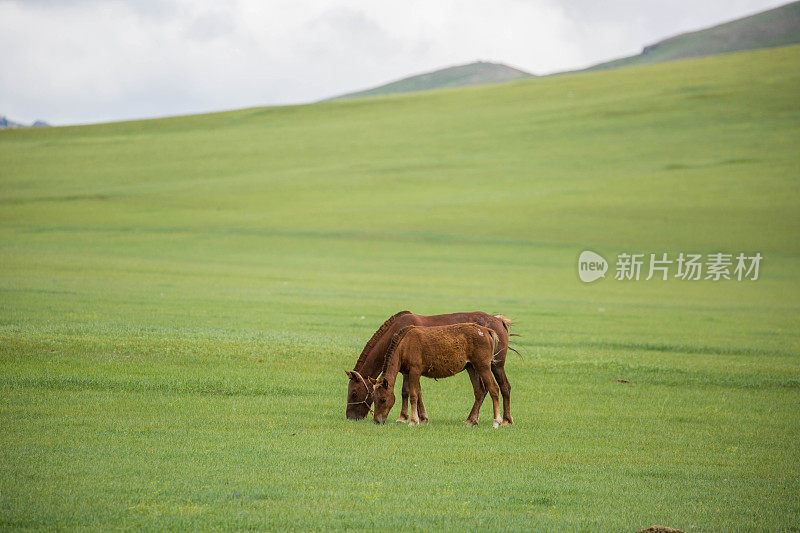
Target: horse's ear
<point>351,374</point>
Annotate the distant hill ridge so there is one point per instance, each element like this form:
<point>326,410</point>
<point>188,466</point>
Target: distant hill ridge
<point>768,29</point>
<point>478,73</point>
<point>6,124</point>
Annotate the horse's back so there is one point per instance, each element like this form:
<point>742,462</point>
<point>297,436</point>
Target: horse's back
<point>444,351</point>
<point>377,354</point>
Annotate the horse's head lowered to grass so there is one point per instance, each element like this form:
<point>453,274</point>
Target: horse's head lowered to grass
<point>359,396</point>
<point>359,392</point>
<point>383,396</point>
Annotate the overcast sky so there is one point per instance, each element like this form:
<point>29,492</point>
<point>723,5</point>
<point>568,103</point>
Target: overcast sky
<point>77,61</point>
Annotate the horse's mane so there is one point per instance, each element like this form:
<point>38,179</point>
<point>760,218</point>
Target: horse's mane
<point>392,345</point>
<point>375,336</point>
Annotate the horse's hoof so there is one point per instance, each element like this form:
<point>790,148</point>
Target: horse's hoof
<point>402,419</point>
<point>496,424</point>
<point>507,423</point>
<point>423,420</point>
<point>413,422</point>
<point>471,423</point>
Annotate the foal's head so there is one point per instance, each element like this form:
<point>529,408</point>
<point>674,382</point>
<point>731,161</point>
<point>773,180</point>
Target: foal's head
<point>359,396</point>
<point>383,396</point>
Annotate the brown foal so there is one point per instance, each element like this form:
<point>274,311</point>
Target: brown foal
<point>439,352</point>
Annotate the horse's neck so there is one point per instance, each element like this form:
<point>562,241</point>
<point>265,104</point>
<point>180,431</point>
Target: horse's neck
<point>372,364</point>
<point>393,367</point>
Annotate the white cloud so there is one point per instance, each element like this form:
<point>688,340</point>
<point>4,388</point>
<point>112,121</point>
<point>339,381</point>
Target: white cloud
<point>90,60</point>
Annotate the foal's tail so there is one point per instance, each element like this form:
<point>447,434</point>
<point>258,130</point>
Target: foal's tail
<point>495,342</point>
<point>392,345</point>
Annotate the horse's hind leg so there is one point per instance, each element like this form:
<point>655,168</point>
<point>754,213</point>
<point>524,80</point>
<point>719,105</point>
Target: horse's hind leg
<point>404,407</point>
<point>480,394</point>
<point>413,397</point>
<point>423,413</point>
<point>505,388</point>
<point>494,392</point>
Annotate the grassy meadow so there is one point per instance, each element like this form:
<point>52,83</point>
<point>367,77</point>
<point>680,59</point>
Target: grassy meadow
<point>180,298</point>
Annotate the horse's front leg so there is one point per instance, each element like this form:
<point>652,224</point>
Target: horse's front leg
<point>413,396</point>
<point>404,407</point>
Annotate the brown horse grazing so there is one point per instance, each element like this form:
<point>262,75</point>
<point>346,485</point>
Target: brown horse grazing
<point>438,352</point>
<point>370,362</point>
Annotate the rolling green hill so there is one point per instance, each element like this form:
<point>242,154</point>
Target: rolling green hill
<point>179,297</point>
<point>775,27</point>
<point>479,73</point>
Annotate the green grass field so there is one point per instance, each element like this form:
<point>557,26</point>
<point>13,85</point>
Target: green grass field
<point>180,297</point>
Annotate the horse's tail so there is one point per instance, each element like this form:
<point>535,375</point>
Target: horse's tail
<point>506,322</point>
<point>495,343</point>
<point>375,336</point>
<point>392,345</point>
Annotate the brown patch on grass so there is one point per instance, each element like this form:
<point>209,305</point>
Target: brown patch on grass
<point>660,529</point>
